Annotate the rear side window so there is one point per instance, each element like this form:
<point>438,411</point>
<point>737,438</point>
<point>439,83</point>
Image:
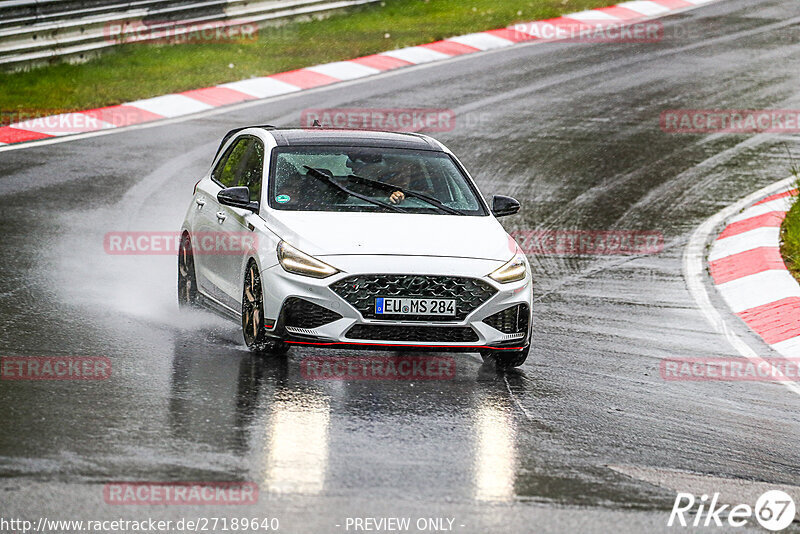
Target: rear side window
<point>242,165</point>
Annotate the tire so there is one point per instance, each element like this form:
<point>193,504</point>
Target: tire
<point>507,359</point>
<point>187,279</point>
<point>255,335</point>
<point>276,348</point>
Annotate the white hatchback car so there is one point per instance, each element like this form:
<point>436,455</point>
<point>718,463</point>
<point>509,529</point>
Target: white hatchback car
<point>354,239</point>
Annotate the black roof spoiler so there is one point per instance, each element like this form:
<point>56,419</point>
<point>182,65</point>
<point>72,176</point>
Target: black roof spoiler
<point>237,130</point>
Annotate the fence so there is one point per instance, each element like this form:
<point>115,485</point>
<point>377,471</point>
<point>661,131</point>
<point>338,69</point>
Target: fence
<point>36,32</point>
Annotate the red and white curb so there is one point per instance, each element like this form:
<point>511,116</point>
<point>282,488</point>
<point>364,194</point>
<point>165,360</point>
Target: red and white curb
<point>200,100</point>
<point>746,265</point>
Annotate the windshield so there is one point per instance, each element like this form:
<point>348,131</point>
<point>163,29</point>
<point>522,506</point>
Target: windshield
<point>343,179</point>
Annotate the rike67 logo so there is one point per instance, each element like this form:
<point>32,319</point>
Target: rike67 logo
<point>774,510</point>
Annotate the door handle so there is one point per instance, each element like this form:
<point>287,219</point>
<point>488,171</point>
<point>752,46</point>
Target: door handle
<point>200,201</point>
<point>221,216</point>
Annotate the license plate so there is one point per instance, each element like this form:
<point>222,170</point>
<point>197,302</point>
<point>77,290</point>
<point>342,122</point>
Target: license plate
<point>401,306</point>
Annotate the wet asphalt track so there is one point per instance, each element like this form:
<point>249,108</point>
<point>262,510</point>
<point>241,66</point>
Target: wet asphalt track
<point>572,131</point>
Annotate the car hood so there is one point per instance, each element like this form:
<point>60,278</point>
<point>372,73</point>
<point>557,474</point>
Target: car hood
<point>326,234</point>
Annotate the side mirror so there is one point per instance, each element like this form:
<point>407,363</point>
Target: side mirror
<point>237,197</point>
<point>502,206</point>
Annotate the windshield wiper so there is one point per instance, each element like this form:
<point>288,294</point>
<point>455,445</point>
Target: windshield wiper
<point>407,192</point>
<point>318,174</point>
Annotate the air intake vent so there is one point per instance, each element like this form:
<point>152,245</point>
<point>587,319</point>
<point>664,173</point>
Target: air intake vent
<point>427,334</point>
<point>301,313</point>
<point>512,320</point>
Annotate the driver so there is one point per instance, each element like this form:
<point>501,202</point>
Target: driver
<point>366,165</point>
<point>375,167</point>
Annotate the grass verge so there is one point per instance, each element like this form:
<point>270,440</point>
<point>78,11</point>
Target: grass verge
<point>790,229</point>
<point>144,70</point>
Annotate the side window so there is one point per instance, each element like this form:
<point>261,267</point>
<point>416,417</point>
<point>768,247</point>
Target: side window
<point>251,175</point>
<point>241,165</point>
<point>225,172</point>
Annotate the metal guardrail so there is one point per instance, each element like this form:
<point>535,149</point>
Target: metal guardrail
<point>36,32</point>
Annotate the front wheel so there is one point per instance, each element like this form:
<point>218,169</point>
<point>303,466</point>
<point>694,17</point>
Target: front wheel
<point>253,329</point>
<point>506,359</point>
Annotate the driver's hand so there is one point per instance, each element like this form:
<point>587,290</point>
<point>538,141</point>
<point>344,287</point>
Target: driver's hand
<point>397,197</point>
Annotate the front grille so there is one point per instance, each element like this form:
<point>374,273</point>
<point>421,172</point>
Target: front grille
<point>361,290</point>
<point>441,334</point>
<point>511,320</point>
<point>301,313</point>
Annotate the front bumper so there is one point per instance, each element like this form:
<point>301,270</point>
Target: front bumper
<point>354,328</point>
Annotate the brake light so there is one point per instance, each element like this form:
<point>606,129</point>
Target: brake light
<point>195,186</point>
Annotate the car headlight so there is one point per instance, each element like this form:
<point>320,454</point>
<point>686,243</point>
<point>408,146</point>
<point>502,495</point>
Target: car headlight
<point>513,271</point>
<point>297,262</point>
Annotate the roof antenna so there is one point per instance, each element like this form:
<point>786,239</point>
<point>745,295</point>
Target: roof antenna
<point>316,124</point>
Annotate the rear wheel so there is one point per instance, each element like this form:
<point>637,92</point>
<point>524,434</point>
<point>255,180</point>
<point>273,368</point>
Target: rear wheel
<point>187,281</point>
<point>506,359</point>
<point>253,329</point>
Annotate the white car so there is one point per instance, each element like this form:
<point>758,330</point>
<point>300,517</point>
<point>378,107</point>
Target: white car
<point>354,239</point>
